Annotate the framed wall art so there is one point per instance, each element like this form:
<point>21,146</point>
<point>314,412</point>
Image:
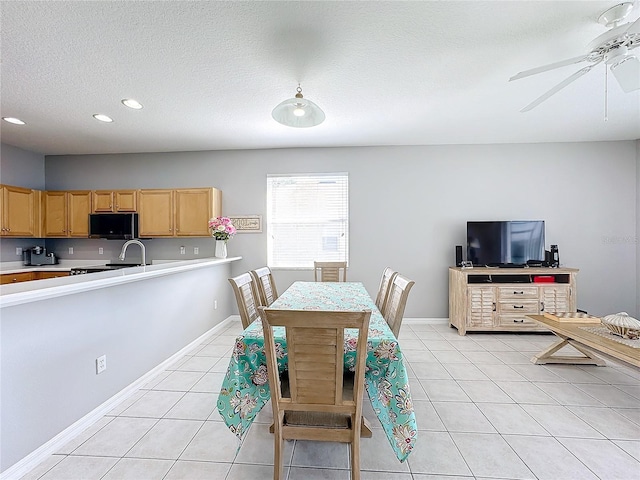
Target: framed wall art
<point>247,223</point>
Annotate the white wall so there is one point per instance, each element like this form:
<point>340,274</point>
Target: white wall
<point>637,239</point>
<point>23,169</point>
<point>409,206</point>
<point>48,348</point>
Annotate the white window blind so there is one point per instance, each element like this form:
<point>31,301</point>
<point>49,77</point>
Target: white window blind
<point>307,219</point>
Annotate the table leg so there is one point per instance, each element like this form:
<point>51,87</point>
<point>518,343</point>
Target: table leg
<point>547,355</point>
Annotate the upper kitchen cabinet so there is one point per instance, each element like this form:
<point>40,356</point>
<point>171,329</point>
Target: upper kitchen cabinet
<point>19,211</point>
<point>194,207</point>
<point>66,213</point>
<point>179,212</point>
<point>155,209</point>
<point>115,201</point>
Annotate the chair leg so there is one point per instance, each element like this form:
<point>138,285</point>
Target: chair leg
<point>355,447</point>
<point>278,454</point>
<point>355,458</point>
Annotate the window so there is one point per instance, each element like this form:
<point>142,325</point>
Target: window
<point>307,219</point>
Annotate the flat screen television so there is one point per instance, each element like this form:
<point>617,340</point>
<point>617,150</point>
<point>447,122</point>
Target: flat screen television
<point>499,243</point>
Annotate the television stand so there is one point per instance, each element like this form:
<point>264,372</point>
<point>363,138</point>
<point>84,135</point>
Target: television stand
<point>500,300</point>
<point>511,265</point>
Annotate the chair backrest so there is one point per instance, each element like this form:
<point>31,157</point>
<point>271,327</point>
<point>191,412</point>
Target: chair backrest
<point>330,271</point>
<point>396,301</point>
<point>315,353</point>
<point>265,285</point>
<point>246,296</point>
<point>383,291</point>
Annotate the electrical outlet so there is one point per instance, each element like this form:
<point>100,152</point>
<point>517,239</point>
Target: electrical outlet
<point>18,251</point>
<point>196,250</point>
<point>183,250</point>
<point>70,250</point>
<point>100,251</point>
<point>215,304</point>
<point>101,364</point>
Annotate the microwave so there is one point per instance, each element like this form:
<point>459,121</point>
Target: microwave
<point>113,226</point>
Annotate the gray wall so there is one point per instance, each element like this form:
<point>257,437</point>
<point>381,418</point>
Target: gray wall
<point>48,348</point>
<point>23,169</point>
<point>409,206</point>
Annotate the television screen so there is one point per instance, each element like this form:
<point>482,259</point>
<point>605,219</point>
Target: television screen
<point>499,243</point>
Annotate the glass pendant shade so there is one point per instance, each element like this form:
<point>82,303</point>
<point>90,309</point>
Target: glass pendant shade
<point>298,112</point>
<point>627,72</point>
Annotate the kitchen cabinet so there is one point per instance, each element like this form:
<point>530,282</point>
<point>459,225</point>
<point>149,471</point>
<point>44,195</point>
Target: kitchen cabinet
<point>43,275</point>
<point>18,211</point>
<point>181,212</point>
<point>155,209</point>
<point>115,201</point>
<point>194,208</point>
<point>6,278</point>
<point>66,213</point>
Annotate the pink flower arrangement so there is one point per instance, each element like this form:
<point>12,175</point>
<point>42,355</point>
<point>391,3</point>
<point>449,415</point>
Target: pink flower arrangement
<point>221,228</point>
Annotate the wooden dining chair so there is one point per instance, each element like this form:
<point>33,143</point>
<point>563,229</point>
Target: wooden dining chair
<point>330,271</point>
<point>396,301</point>
<point>319,401</point>
<point>247,298</point>
<point>383,290</point>
<point>265,285</point>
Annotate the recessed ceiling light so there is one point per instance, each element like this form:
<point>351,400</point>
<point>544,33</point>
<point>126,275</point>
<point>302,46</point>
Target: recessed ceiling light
<point>131,103</point>
<point>103,118</point>
<point>15,121</point>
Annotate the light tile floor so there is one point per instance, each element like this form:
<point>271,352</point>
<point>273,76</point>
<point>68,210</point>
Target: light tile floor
<point>483,411</point>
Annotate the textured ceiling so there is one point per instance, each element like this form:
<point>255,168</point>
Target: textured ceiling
<point>385,73</point>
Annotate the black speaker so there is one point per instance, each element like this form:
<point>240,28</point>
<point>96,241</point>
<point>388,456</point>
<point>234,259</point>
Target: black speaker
<point>555,256</point>
<point>458,255</point>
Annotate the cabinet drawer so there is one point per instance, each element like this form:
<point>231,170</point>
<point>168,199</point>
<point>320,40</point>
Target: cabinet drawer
<point>525,307</point>
<point>517,291</point>
<point>516,321</point>
<point>6,278</point>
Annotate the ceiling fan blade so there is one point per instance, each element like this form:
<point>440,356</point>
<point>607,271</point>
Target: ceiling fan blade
<point>551,66</point>
<point>558,87</point>
<point>634,27</point>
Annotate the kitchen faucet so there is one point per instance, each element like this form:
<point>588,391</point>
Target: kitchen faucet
<point>137,242</point>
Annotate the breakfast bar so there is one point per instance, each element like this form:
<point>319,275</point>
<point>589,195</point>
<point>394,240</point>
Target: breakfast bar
<point>53,331</point>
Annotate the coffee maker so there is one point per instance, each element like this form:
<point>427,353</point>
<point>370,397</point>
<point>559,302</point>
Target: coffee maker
<point>38,256</point>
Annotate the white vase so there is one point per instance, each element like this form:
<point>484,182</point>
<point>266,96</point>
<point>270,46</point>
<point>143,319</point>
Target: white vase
<point>221,249</point>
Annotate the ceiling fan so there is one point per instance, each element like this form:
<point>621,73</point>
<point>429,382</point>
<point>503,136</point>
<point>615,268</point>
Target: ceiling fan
<point>613,47</point>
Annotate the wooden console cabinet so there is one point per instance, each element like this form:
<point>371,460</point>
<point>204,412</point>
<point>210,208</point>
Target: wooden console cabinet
<point>499,299</point>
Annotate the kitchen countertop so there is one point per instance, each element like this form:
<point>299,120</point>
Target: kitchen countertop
<point>62,266</point>
<point>26,292</point>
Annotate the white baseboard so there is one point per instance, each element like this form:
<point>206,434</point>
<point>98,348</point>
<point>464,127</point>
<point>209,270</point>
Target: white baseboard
<point>32,460</point>
<point>416,321</point>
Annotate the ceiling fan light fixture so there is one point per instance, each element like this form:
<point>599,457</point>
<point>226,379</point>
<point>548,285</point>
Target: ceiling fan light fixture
<point>627,73</point>
<point>298,112</point>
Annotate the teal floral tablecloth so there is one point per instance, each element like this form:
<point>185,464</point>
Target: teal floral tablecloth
<point>245,389</point>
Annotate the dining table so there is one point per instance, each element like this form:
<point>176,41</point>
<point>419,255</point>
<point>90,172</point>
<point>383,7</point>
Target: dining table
<point>245,388</point>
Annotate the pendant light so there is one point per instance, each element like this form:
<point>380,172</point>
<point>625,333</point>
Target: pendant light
<point>298,112</point>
